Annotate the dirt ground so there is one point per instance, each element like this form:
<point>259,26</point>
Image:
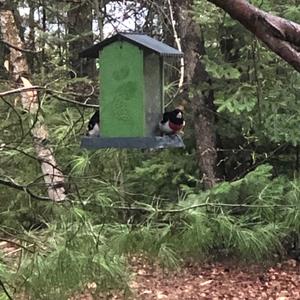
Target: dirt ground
<point>213,281</point>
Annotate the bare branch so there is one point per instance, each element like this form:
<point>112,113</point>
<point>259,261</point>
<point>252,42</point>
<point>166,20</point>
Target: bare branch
<point>21,89</point>
<point>50,92</point>
<point>178,43</point>
<point>17,244</point>
<point>61,98</point>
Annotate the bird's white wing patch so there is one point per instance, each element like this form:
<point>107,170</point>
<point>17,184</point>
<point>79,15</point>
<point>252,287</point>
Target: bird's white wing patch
<point>95,131</point>
<point>165,128</point>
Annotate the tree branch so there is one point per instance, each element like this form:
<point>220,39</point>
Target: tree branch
<point>213,205</point>
<point>61,98</point>
<point>50,92</point>
<point>280,35</point>
<point>10,183</point>
<point>178,43</point>
<point>18,48</point>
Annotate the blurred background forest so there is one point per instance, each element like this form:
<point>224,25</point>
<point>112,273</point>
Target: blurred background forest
<point>234,191</point>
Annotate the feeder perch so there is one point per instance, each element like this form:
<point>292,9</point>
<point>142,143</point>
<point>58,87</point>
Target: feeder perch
<point>131,92</point>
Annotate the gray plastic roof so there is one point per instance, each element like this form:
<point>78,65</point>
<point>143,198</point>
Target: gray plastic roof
<point>138,39</point>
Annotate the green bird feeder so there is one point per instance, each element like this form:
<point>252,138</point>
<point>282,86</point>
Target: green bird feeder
<point>131,100</point>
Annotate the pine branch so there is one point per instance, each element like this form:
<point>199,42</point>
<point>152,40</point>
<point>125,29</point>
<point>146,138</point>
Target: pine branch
<point>213,205</point>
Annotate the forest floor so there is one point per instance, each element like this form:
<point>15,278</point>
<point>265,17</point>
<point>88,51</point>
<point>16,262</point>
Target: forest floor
<point>193,281</point>
<point>212,281</point>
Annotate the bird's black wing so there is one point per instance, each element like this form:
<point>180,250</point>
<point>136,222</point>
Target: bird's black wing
<point>94,120</point>
<point>166,117</point>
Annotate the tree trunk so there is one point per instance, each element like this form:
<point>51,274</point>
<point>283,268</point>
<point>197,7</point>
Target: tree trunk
<point>19,69</point>
<point>202,101</point>
<point>80,30</point>
<point>3,53</point>
<point>280,35</point>
<point>31,36</point>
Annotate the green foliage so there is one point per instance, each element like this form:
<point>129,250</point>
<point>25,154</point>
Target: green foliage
<point>163,173</point>
<point>67,258</point>
<point>128,202</point>
<point>69,268</point>
<point>255,226</point>
<point>246,219</point>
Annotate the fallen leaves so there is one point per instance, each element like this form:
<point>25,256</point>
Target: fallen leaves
<point>217,281</point>
<point>207,282</point>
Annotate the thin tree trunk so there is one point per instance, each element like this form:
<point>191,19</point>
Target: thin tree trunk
<point>19,69</point>
<point>100,18</point>
<point>31,37</point>
<point>3,52</point>
<point>80,30</point>
<point>202,101</point>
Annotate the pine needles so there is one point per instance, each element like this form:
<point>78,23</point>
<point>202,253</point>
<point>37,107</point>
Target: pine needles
<point>256,218</point>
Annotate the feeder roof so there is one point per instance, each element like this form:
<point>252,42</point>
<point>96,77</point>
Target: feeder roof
<point>138,39</point>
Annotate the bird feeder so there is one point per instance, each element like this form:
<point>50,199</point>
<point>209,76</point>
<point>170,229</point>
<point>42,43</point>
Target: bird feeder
<point>131,92</point>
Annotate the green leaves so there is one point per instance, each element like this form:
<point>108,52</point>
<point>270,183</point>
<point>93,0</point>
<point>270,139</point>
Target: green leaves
<point>221,71</point>
<point>242,101</point>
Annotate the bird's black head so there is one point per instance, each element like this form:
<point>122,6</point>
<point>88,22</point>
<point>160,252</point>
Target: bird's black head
<point>176,116</point>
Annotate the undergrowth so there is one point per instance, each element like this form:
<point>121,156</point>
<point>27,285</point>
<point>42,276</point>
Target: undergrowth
<point>250,219</point>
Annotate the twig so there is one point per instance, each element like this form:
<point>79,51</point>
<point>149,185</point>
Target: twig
<point>22,89</point>
<point>32,157</point>
<point>5,290</point>
<point>177,41</point>
<point>17,244</point>
<point>69,93</point>
<point>50,92</point>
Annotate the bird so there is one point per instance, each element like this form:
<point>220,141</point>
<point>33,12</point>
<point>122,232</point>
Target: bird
<point>172,122</point>
<point>93,125</point>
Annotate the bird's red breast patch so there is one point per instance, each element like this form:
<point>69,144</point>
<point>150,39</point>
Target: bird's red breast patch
<point>175,127</point>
